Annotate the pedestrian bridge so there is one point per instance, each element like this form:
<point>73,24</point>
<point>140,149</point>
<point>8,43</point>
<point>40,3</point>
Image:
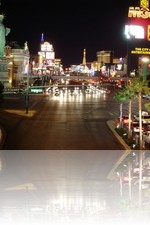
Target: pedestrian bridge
<point>58,77</point>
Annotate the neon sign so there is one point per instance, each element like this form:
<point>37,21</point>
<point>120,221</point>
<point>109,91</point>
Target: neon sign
<point>144,4</point>
<point>140,12</point>
<point>141,51</point>
<point>138,26</point>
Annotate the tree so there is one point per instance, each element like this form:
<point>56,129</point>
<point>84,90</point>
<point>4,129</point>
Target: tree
<point>123,96</point>
<point>138,86</point>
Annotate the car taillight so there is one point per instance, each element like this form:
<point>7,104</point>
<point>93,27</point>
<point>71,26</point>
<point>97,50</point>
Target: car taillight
<point>127,121</point>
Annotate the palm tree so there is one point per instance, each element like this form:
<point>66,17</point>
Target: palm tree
<point>123,96</point>
<point>138,86</point>
<point>120,96</point>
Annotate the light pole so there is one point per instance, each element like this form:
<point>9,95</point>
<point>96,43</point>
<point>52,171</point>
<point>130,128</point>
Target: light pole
<point>27,95</point>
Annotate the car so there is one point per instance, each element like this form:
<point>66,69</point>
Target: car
<point>145,117</point>
<point>125,119</point>
<point>136,127</point>
<point>146,137</point>
<point>20,91</point>
<point>146,96</point>
<point>57,92</point>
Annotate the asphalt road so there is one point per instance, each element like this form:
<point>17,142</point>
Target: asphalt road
<point>67,123</point>
<point>53,158</point>
<point>67,184</point>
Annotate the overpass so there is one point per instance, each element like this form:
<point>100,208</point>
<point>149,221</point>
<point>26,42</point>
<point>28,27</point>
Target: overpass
<point>58,77</point>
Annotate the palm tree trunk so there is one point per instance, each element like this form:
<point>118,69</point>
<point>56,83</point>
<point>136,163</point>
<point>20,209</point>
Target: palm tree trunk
<point>140,149</point>
<point>120,114</point>
<point>129,124</point>
<point>140,121</point>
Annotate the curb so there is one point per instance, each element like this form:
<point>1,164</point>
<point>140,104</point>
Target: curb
<point>127,149</point>
<point>111,125</point>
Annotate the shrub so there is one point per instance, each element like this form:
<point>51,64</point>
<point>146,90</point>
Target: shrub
<point>122,132</point>
<point>130,141</point>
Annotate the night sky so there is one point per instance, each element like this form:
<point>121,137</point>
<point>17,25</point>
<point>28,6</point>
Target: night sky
<point>70,26</point>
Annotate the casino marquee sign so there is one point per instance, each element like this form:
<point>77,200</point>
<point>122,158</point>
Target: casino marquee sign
<point>138,22</point>
<point>141,51</point>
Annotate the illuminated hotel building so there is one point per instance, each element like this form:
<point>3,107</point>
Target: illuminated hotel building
<point>137,32</point>
<point>47,63</point>
<point>104,57</point>
<point>46,57</point>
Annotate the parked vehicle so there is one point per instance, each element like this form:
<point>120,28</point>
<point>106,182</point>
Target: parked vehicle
<point>146,137</point>
<point>125,119</point>
<point>146,96</point>
<point>145,117</point>
<point>136,128</point>
<point>20,91</point>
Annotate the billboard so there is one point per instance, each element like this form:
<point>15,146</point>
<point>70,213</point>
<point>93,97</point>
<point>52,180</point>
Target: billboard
<point>134,32</point>
<point>137,33</point>
<point>138,22</point>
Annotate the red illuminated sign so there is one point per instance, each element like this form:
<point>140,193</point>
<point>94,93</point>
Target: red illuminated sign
<point>138,24</point>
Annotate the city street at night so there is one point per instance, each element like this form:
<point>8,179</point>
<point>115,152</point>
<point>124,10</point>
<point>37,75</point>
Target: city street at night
<point>74,112</point>
<point>74,122</point>
<point>56,159</point>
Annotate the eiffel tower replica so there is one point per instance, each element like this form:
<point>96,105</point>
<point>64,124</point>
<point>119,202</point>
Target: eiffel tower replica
<point>84,66</point>
<point>84,58</point>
